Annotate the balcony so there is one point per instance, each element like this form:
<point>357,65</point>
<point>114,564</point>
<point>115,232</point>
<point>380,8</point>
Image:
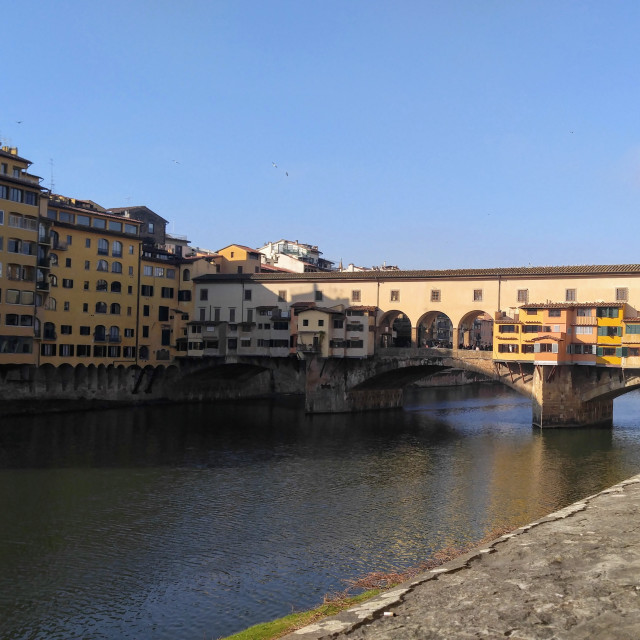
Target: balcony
<point>115,339</point>
<point>42,286</point>
<point>49,335</point>
<point>308,348</point>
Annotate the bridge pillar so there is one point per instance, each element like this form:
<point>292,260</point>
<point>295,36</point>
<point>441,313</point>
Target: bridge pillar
<point>414,337</point>
<point>557,398</point>
<point>455,337</point>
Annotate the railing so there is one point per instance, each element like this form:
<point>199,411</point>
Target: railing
<point>308,348</point>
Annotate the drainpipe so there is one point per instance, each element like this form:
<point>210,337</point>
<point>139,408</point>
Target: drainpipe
<point>499,286</point>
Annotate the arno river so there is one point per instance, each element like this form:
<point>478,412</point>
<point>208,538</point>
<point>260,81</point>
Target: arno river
<point>197,521</point>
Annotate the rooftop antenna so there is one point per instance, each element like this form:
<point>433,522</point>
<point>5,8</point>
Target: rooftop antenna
<point>51,182</point>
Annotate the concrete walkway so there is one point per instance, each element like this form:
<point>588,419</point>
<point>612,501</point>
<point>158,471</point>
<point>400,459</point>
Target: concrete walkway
<point>574,574</point>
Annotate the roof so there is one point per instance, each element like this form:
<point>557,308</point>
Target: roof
<point>240,246</point>
<point>121,210</point>
<point>570,305</point>
<point>499,272</point>
<point>13,156</point>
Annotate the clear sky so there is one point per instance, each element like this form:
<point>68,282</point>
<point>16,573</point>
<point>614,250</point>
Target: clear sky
<point>424,134</point>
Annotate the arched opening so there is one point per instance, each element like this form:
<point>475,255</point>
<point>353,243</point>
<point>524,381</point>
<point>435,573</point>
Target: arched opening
<point>475,331</point>
<point>395,330</point>
<point>435,330</point>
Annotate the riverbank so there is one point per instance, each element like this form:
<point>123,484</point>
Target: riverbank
<point>572,575</point>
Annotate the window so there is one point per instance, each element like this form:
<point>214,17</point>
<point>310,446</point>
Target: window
<point>338,324</point>
<point>84,221</point>
<point>523,295</point>
<point>507,328</point>
<point>171,274</point>
<point>85,307</point>
<point>116,249</point>
<point>101,285</point>
<point>355,295</point>
<point>99,223</point>
<point>101,307</point>
<point>570,295</point>
<point>186,275</point>
<point>204,294</point>
<point>184,295</point>
<point>116,287</point>
<point>395,295</point>
<point>622,294</point>
<point>583,313</point>
<point>103,265</point>
<point>130,271</point>
<point>305,322</point>
<point>477,295</point>
<point>165,337</point>
<point>282,296</point>
<point>159,272</point>
<point>145,330</point>
<point>507,348</point>
<point>607,312</point>
<point>633,328</point>
<point>163,314</point>
<point>232,314</point>
<point>115,226</point>
<point>67,217</point>
<point>610,332</point>
<point>85,331</point>
<point>103,247</point>
<point>146,310</point>
<point>146,290</point>
<point>87,265</point>
<point>67,283</point>
<point>115,309</point>
<point>114,334</point>
<point>555,313</point>
<point>66,305</point>
<point>147,270</point>
<point>128,333</point>
<point>435,295</point>
<point>166,292</point>
<point>584,330</point>
<point>67,262</point>
<point>150,227</point>
<point>321,323</point>
<point>318,296</point>
<point>130,247</point>
<point>65,329</point>
<point>116,267</point>
<point>247,294</point>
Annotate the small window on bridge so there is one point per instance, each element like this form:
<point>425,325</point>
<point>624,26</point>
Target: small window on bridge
<point>435,295</point>
<point>477,295</point>
<point>395,295</point>
<point>570,295</point>
<point>355,295</point>
<point>523,295</point>
<point>622,294</point>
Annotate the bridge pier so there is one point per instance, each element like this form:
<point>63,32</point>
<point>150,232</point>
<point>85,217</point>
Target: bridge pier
<point>558,397</point>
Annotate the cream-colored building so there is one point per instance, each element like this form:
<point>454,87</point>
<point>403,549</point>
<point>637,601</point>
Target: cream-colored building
<point>405,301</point>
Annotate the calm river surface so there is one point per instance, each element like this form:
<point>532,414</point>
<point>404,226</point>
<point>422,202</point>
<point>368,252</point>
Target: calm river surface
<point>195,521</point>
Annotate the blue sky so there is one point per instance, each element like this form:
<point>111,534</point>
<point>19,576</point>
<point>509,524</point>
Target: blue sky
<point>429,135</point>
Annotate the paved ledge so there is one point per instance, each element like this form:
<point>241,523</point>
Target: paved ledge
<point>574,574</point>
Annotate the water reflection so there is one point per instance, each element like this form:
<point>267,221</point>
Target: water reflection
<point>199,520</point>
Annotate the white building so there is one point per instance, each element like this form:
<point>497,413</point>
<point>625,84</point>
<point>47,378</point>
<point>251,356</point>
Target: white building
<point>295,256</point>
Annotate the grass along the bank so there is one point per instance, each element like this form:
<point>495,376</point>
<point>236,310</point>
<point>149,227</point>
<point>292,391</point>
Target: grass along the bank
<point>372,583</point>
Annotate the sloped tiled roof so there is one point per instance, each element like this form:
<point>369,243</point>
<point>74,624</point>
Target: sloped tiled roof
<point>503,272</point>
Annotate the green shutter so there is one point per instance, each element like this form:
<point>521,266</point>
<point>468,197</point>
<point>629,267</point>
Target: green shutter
<point>599,351</point>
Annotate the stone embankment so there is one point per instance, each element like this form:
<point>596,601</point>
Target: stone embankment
<point>574,574</point>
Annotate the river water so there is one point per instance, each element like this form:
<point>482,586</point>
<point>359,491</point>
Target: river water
<point>196,521</point>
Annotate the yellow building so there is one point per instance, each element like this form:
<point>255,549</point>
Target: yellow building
<point>23,247</point>
<point>565,333</point>
<point>237,258</point>
<point>90,313</point>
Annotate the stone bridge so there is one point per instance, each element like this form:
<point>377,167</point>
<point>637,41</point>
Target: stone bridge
<point>561,395</point>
